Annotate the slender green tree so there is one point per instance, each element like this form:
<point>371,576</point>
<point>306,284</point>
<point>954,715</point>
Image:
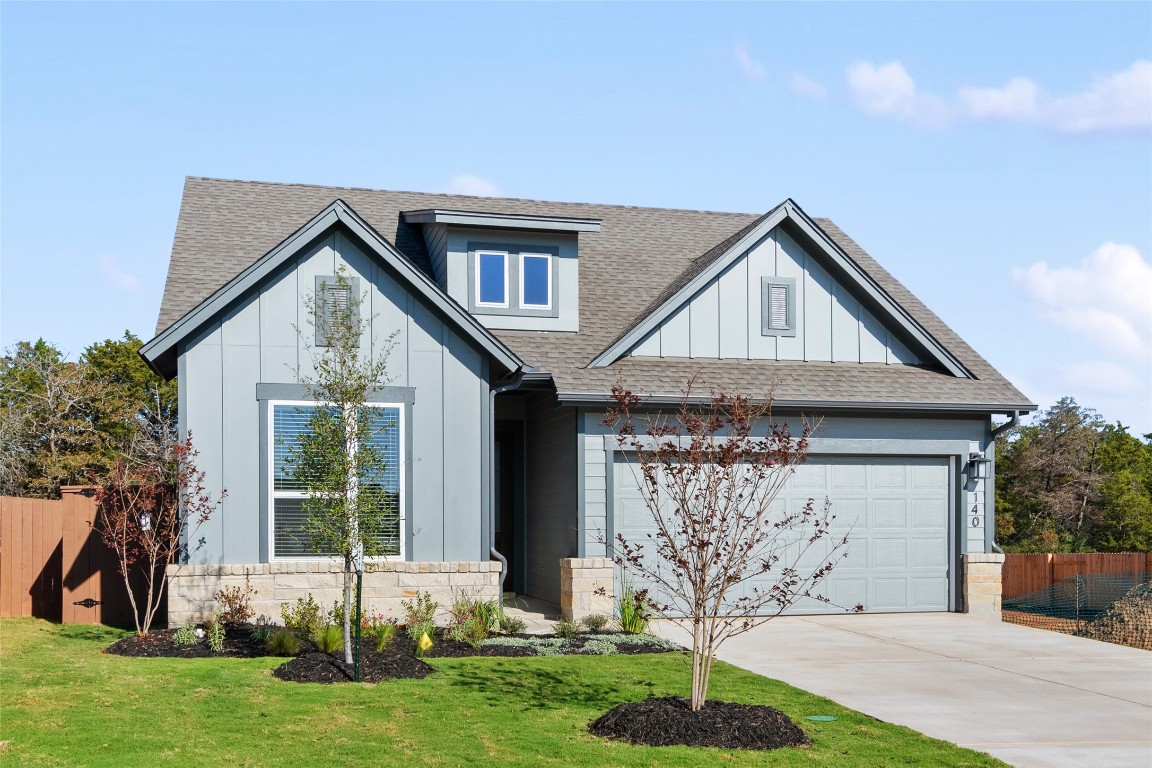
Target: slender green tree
<point>348,508</point>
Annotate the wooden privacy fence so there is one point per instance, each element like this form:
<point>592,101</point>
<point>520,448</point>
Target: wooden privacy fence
<point>54,566</point>
<point>1027,573</point>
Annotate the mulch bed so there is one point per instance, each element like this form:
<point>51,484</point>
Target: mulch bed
<point>671,721</point>
<point>397,660</point>
<point>238,643</point>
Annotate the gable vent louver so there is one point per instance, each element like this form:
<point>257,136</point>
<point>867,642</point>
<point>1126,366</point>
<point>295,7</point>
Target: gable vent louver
<point>778,308</point>
<point>333,302</point>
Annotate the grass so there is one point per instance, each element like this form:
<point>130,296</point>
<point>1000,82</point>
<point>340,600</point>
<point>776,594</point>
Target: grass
<point>64,703</point>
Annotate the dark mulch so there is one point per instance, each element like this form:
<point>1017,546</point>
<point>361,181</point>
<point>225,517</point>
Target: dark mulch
<point>238,642</point>
<point>375,666</point>
<point>671,721</point>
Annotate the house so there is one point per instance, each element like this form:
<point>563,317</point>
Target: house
<point>514,318</point>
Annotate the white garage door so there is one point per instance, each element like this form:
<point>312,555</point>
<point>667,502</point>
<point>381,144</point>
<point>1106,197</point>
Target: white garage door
<point>896,508</point>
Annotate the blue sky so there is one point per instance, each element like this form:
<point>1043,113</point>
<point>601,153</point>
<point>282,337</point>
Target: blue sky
<point>997,158</point>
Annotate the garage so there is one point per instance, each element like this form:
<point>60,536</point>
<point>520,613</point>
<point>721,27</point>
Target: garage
<point>895,511</point>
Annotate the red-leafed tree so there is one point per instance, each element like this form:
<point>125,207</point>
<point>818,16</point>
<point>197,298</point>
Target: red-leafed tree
<point>723,557</point>
<point>149,509</point>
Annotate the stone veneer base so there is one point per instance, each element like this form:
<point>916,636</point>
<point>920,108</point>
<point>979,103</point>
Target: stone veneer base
<point>192,588</point>
<point>586,587</point>
<point>983,586</point>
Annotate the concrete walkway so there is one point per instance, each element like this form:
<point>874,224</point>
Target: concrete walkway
<point>1030,697</point>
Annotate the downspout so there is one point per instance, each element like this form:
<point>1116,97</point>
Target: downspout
<point>492,510</point>
<point>995,431</point>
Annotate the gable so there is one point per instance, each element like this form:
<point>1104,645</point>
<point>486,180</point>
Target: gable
<point>337,220</point>
<point>816,317</point>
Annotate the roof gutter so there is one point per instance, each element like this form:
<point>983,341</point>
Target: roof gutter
<point>493,501</point>
<point>1013,421</point>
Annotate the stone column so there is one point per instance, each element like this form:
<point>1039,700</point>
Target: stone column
<point>982,584</point>
<point>581,579</point>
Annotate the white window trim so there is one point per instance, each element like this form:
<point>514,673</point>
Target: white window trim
<point>479,278</point>
<point>273,494</point>
<point>548,260</point>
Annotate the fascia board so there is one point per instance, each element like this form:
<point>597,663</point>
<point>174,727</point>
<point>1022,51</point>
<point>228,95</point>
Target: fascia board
<point>874,292</point>
<point>159,353</point>
<point>502,220</point>
<point>599,399</point>
<point>676,300</point>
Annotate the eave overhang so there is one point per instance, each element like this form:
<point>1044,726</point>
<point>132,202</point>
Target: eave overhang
<point>501,220</point>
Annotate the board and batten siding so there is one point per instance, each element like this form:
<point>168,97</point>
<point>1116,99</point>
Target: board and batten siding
<point>723,319</point>
<point>256,341</point>
<point>550,493</point>
<point>951,438</point>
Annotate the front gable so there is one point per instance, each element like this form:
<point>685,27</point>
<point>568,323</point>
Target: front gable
<point>776,302</point>
<point>779,290</point>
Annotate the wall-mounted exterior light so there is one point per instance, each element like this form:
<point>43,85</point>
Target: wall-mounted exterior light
<point>979,466</point>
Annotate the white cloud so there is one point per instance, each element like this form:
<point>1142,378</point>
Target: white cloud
<point>807,87</point>
<point>888,90</point>
<point>467,184</point>
<point>1016,101</point>
<point>1119,101</point>
<point>1099,377</point>
<point>753,70</point>
<point>115,276</point>
<point>1107,299</point>
<point>1115,102</point>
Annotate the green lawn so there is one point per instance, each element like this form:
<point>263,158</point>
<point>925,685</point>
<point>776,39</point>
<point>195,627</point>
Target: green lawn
<point>63,702</point>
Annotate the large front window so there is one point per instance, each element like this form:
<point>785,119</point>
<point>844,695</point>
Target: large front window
<point>288,530</point>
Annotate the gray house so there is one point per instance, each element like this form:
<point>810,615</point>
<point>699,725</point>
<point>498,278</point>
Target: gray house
<point>513,320</point>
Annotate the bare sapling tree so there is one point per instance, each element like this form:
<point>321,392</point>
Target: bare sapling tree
<point>724,558</point>
<point>148,510</point>
<point>348,509</point>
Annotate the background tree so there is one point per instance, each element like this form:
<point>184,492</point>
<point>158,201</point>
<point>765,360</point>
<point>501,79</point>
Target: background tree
<point>709,482</point>
<point>65,423</point>
<point>49,406</point>
<point>1068,482</point>
<point>347,506</point>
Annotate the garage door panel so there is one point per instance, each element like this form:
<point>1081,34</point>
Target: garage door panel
<point>894,510</point>
<point>888,594</point>
<point>928,552</point>
<point>889,513</point>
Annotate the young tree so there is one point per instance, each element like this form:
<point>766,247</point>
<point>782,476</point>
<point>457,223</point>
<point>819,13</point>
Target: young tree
<point>148,510</point>
<point>709,481</point>
<point>347,508</point>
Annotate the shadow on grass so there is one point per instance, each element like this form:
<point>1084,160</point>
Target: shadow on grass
<point>542,688</point>
<point>97,632</point>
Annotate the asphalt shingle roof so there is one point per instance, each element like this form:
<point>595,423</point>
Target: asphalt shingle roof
<point>640,257</point>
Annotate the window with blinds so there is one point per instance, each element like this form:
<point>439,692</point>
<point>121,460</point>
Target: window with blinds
<point>778,306</point>
<point>290,422</point>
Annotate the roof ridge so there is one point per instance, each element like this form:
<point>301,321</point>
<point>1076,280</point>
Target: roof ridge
<point>471,197</point>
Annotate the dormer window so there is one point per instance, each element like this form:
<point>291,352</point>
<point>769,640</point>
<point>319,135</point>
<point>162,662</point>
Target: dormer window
<point>513,279</point>
<point>491,278</point>
<point>535,281</point>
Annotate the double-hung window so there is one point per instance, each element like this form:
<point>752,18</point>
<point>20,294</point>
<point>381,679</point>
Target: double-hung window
<point>289,422</point>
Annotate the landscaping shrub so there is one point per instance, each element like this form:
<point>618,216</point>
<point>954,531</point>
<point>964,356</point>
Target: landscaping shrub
<point>305,617</point>
<point>470,620</point>
<point>283,642</point>
<point>600,647</point>
<point>384,636</point>
<point>185,635</point>
<point>216,634</point>
<point>513,625</point>
<point>595,622</point>
<point>564,628</point>
<point>236,602</point>
<point>632,606</point>
<point>262,630</point>
<point>419,613</point>
<point>330,639</point>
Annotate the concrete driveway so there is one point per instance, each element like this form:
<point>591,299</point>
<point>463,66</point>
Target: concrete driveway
<point>1028,696</point>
